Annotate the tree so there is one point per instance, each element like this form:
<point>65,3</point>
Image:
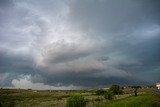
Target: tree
<point>136,89</point>
<point>116,89</point>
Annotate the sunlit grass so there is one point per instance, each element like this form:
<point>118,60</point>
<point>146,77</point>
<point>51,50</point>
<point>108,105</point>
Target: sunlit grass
<point>146,100</point>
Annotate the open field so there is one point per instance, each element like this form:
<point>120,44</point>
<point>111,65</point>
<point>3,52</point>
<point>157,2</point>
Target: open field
<point>144,100</point>
<point>31,98</point>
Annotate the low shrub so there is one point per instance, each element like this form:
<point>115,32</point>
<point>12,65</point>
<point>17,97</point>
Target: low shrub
<point>116,89</point>
<point>100,92</point>
<point>109,95</point>
<point>98,99</point>
<point>76,101</point>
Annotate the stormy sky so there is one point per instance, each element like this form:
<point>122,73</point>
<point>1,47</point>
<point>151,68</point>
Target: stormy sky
<point>79,44</point>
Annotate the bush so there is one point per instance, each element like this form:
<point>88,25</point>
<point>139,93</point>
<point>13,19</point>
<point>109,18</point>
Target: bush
<point>109,95</point>
<point>100,92</point>
<point>116,89</point>
<point>98,99</point>
<point>136,89</point>
<point>76,101</point>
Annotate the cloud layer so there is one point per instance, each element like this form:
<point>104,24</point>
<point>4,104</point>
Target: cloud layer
<point>79,43</point>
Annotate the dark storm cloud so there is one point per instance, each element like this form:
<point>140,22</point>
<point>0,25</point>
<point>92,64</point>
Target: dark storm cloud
<point>5,3</point>
<point>111,15</point>
<point>13,65</point>
<point>132,27</point>
<point>89,81</point>
<point>84,43</point>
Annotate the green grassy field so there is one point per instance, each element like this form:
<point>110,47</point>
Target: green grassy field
<point>144,100</point>
<point>31,98</point>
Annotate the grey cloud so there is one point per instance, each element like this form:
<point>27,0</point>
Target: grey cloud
<point>111,15</point>
<point>13,65</point>
<point>131,27</point>
<point>69,57</point>
<point>5,3</point>
<point>62,51</point>
<point>83,43</point>
<point>89,81</point>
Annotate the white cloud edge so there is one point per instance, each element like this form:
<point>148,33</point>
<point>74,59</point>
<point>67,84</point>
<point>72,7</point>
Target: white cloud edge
<point>24,82</point>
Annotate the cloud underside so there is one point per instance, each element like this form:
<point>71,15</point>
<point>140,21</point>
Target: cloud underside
<point>79,44</point>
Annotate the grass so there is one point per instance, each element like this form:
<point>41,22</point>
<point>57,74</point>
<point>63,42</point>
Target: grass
<point>29,98</point>
<point>145,100</point>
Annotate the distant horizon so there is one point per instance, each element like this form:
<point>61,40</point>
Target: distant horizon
<point>107,87</point>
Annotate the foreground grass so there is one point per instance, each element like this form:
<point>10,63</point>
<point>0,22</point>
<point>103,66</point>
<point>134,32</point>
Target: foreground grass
<point>11,98</point>
<point>146,100</point>
<point>30,98</point>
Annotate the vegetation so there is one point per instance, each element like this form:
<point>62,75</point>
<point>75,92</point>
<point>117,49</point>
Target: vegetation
<point>76,101</point>
<point>90,98</point>
<point>109,95</point>
<point>136,89</point>
<point>146,100</point>
<point>116,89</point>
<point>100,92</point>
<point>29,98</point>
